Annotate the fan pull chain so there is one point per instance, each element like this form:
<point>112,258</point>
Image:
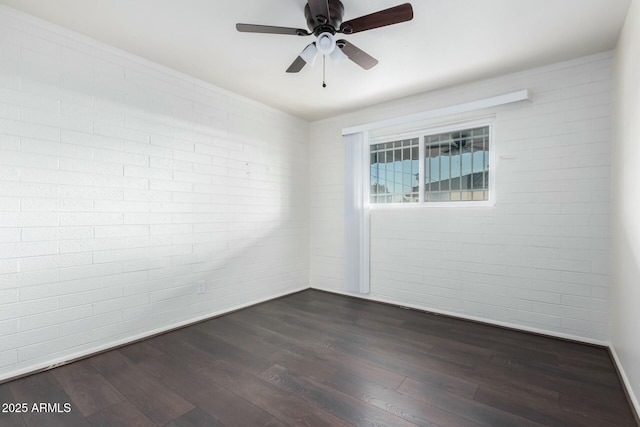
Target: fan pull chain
<point>324,71</point>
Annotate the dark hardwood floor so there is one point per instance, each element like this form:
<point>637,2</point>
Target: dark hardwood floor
<point>317,359</point>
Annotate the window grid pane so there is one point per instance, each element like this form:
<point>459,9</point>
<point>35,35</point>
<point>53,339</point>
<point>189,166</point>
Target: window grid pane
<point>457,166</point>
<point>394,171</point>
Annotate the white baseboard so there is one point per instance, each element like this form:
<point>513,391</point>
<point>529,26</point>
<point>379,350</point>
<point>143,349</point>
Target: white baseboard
<point>472,318</point>
<point>63,360</point>
<point>625,382</point>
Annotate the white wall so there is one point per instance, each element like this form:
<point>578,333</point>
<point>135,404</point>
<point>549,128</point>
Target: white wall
<point>539,259</point>
<point>122,184</point>
<point>625,319</point>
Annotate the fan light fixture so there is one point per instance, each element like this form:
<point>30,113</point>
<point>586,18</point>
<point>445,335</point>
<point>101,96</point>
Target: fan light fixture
<point>326,43</point>
<point>324,19</point>
<point>310,54</point>
<point>338,56</point>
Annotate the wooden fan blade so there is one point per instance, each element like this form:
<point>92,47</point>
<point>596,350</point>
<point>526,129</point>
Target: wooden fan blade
<point>268,29</point>
<point>296,65</point>
<point>394,15</point>
<point>357,55</point>
<point>319,8</point>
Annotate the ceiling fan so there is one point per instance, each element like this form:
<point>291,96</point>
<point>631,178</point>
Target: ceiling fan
<point>324,19</point>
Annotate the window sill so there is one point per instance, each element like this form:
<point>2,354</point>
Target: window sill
<point>453,205</point>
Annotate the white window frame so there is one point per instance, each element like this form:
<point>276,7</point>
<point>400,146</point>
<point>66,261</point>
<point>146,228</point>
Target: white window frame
<point>421,134</point>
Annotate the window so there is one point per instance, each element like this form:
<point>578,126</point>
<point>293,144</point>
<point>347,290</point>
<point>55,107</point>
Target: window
<point>445,167</point>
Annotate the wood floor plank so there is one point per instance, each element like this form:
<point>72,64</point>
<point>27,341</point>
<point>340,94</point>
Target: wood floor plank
<point>464,354</point>
<point>178,346</point>
<point>322,355</point>
<point>534,410</point>
<point>611,411</point>
<point>195,418</point>
<point>411,410</point>
<point>294,323</point>
<point>355,311</point>
<point>467,408</point>
<point>89,391</point>
<point>274,422</point>
<point>221,350</point>
<point>413,367</point>
<point>157,402</point>
<point>37,390</point>
<point>392,335</point>
<point>287,327</point>
<point>124,413</point>
<point>426,359</point>
<point>453,383</point>
<point>344,406</point>
<point>589,361</point>
<point>220,403</point>
<point>287,407</point>
<point>545,377</point>
<point>10,416</point>
<point>233,335</point>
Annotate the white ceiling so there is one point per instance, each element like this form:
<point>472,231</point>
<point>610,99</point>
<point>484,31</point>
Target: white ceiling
<point>448,42</point>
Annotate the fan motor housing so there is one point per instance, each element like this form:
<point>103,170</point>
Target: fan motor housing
<point>318,26</point>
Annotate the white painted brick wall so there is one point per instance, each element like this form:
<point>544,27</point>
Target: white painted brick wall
<point>540,258</point>
<point>123,184</point>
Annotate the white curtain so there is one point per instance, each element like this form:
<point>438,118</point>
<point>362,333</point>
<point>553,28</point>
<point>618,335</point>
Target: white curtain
<point>356,227</point>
